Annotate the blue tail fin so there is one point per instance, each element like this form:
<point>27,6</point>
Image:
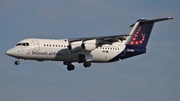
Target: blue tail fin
<point>140,33</point>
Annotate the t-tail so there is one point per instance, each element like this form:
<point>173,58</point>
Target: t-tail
<point>141,31</point>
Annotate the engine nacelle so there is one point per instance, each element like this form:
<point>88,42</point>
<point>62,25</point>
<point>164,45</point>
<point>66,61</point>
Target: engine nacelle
<point>74,48</point>
<point>88,46</point>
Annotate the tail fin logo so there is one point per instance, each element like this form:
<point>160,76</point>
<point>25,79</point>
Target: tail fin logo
<point>136,40</point>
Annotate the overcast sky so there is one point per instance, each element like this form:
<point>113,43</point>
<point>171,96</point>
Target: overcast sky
<point>154,76</point>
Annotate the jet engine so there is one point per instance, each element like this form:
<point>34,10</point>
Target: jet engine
<point>74,48</point>
<point>88,46</point>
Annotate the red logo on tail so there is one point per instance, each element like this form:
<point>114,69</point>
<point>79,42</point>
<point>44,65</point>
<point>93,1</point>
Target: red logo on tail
<point>134,39</point>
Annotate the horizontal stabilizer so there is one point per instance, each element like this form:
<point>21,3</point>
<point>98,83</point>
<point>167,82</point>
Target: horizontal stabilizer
<point>152,21</point>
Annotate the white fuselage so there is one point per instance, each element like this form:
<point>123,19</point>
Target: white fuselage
<point>88,49</point>
<point>56,50</point>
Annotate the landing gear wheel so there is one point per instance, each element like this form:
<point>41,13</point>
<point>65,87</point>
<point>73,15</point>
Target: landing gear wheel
<point>70,67</point>
<point>87,64</point>
<point>17,62</point>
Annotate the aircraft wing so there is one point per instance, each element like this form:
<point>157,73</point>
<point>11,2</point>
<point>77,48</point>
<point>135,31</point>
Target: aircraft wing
<point>101,39</point>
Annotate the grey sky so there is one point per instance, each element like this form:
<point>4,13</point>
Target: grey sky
<point>154,76</point>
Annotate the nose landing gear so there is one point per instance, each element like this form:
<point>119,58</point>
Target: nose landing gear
<point>17,62</point>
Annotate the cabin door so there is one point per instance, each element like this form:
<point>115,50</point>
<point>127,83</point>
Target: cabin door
<point>36,45</point>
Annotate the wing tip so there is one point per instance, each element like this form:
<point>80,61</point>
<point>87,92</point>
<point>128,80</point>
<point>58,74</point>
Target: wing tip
<point>170,18</point>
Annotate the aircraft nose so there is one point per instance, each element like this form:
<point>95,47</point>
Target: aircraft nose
<point>9,52</point>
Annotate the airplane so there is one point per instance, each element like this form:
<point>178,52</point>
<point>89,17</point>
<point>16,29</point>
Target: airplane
<point>87,50</point>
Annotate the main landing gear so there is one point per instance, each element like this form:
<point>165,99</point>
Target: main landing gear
<point>71,67</point>
<point>87,64</point>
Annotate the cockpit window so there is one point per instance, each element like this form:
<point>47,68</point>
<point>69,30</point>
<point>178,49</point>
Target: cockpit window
<point>23,44</point>
<point>27,44</point>
<point>18,44</point>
